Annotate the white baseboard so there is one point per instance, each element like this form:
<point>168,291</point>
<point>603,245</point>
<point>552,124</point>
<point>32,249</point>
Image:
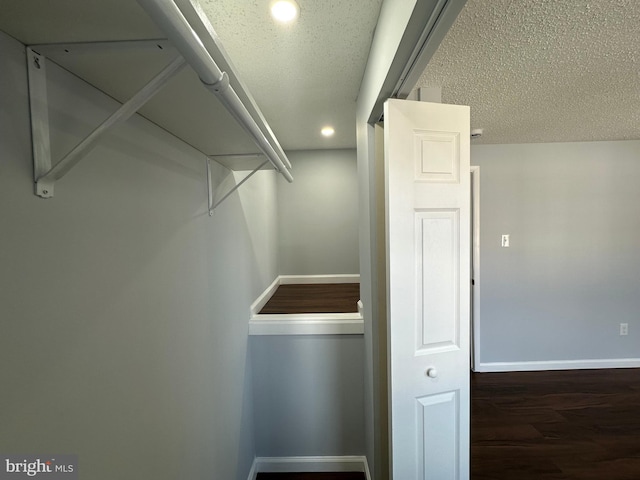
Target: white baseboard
<point>558,365</point>
<point>349,463</point>
<point>264,297</point>
<point>312,279</point>
<point>253,473</point>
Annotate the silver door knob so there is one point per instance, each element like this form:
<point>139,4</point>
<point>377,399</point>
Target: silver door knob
<point>432,372</point>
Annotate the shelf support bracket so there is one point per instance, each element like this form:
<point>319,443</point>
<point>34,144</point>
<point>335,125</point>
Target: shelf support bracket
<point>39,109</point>
<point>45,175</point>
<point>212,202</point>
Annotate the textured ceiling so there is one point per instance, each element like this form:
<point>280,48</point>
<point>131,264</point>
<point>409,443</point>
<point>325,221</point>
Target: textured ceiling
<point>304,75</point>
<point>544,70</point>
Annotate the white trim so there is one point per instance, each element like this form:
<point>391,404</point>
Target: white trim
<point>264,297</point>
<point>320,326</point>
<point>559,365</point>
<point>348,463</point>
<point>308,323</point>
<point>253,473</point>
<point>313,279</point>
<point>475,245</point>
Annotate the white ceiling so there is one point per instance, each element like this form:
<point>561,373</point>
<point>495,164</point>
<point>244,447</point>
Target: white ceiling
<point>544,70</point>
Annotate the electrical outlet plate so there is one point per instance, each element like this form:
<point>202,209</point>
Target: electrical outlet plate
<point>624,329</point>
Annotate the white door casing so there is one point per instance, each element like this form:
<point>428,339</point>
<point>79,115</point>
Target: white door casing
<point>427,193</point>
<point>475,268</point>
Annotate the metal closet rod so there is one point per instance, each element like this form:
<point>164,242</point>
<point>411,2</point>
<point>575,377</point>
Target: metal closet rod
<point>169,18</point>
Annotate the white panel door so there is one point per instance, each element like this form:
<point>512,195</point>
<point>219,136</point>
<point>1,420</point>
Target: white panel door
<point>428,253</point>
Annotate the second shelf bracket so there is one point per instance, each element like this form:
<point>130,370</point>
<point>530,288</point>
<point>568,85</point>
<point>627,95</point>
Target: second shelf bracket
<point>213,203</point>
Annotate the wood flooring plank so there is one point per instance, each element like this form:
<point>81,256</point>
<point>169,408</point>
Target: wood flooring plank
<point>516,432</point>
<point>495,467</point>
<point>314,298</point>
<point>617,469</point>
<point>588,423</point>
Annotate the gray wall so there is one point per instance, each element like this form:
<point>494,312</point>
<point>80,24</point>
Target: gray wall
<point>308,395</point>
<point>572,272</point>
<point>318,214</point>
<point>309,389</point>
<point>123,305</point>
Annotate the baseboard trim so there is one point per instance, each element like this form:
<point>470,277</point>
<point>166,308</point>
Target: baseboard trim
<point>313,279</point>
<point>253,473</point>
<point>558,365</point>
<point>264,297</point>
<point>348,463</point>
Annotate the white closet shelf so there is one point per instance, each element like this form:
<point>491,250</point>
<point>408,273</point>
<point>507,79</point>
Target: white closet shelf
<point>205,105</point>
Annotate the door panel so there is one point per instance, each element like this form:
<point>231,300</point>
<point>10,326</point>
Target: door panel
<point>428,248</point>
<point>437,441</point>
<point>437,261</point>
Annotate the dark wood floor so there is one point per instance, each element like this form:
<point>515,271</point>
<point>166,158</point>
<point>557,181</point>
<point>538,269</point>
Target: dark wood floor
<point>579,425</point>
<point>314,298</point>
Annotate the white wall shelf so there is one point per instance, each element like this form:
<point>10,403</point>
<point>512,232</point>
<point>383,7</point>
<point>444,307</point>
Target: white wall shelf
<point>203,124</point>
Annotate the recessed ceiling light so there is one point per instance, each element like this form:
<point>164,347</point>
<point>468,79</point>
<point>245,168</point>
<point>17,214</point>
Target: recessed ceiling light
<point>284,10</point>
<point>327,131</point>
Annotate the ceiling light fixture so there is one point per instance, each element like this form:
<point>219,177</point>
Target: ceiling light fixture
<point>284,11</point>
<point>327,131</point>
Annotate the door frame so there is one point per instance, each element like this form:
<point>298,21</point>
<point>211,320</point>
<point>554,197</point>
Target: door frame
<point>475,255</point>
